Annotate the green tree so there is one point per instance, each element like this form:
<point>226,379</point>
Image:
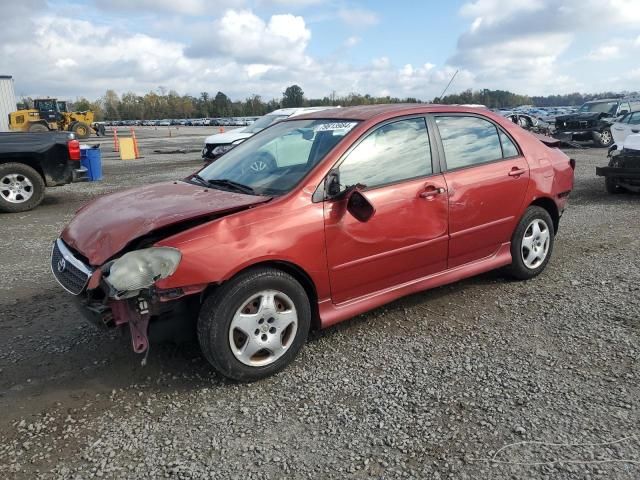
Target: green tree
<point>293,96</point>
<point>223,107</point>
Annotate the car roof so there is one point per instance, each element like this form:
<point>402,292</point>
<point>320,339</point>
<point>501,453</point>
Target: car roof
<point>366,112</point>
<point>298,110</point>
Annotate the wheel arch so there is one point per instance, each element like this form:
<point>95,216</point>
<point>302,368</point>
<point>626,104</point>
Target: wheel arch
<point>292,269</point>
<point>29,162</point>
<point>550,206</point>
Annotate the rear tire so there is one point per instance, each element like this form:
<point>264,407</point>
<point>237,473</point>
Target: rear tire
<point>531,244</point>
<point>81,129</point>
<point>254,325</point>
<point>38,128</point>
<point>21,188</point>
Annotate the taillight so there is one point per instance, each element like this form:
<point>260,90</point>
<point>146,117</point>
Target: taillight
<point>572,162</point>
<point>74,149</point>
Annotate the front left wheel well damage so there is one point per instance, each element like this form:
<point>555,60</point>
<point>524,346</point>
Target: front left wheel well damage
<point>292,269</point>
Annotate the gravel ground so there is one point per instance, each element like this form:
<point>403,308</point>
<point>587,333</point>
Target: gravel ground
<point>431,386</point>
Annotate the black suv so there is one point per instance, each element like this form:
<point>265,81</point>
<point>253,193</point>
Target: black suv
<point>593,120</point>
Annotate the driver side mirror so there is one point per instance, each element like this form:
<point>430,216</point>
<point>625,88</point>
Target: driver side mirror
<point>623,112</point>
<point>359,206</point>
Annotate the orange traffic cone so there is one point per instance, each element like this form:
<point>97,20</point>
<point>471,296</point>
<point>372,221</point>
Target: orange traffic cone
<point>135,143</point>
<point>116,145</point>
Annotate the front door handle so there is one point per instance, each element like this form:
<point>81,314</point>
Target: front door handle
<point>430,191</point>
<point>516,172</point>
<point>635,130</point>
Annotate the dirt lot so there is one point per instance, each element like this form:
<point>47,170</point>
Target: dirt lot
<point>431,386</point>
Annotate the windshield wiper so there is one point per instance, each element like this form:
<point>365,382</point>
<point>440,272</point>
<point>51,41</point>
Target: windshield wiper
<point>200,180</point>
<point>225,182</point>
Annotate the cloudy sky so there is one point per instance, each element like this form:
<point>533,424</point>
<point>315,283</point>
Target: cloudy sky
<point>72,48</point>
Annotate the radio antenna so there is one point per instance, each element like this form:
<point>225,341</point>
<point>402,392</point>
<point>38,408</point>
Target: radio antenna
<point>448,85</point>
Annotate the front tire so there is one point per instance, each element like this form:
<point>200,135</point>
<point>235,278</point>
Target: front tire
<point>81,129</point>
<point>604,138</point>
<point>21,188</point>
<point>611,186</point>
<point>38,128</point>
<point>254,325</point>
<point>531,244</point>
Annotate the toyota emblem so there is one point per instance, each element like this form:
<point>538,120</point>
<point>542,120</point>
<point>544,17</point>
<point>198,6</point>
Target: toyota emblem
<point>62,264</point>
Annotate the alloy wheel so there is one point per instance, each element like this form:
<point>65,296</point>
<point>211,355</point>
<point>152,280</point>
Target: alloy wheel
<point>16,188</point>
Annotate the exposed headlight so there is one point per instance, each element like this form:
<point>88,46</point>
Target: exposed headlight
<point>220,149</point>
<point>142,268</point>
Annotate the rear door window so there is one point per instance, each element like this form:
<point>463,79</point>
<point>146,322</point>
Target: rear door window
<point>509,148</point>
<point>468,141</point>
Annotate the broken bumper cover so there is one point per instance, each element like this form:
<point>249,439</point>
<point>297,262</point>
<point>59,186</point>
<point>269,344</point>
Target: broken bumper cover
<point>94,297</point>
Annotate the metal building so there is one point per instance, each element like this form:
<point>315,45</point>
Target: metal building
<point>7,101</point>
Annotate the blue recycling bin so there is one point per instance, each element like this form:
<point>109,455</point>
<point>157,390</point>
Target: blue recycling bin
<point>91,159</point>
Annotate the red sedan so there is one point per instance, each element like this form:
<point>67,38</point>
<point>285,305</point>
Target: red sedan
<point>312,221</point>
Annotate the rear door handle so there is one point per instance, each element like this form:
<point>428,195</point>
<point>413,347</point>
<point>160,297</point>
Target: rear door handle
<point>430,191</point>
<point>635,130</point>
<point>516,172</point>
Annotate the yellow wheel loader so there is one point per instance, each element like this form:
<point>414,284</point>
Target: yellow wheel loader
<point>49,114</point>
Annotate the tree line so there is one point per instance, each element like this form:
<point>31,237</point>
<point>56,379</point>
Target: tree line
<point>163,103</point>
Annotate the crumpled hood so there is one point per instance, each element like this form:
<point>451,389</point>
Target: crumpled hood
<point>581,116</point>
<point>106,225</point>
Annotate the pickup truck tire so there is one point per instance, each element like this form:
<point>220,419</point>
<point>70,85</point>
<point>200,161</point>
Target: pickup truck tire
<point>531,244</point>
<point>611,186</point>
<point>21,188</point>
<point>255,324</point>
<point>603,139</point>
<point>38,127</point>
<point>82,130</point>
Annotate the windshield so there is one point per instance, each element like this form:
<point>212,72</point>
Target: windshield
<point>600,107</point>
<point>264,122</point>
<point>275,160</point>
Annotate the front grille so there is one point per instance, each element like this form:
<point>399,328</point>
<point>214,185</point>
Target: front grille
<point>70,272</point>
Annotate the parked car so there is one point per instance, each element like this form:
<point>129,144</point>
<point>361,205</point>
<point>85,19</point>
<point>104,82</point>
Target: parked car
<point>623,171</point>
<point>593,120</point>
<point>624,126</point>
<point>219,143</point>
<point>30,162</point>
<point>528,122</point>
<point>164,123</point>
<point>361,206</point>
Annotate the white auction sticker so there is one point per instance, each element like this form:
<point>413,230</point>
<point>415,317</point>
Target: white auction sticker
<point>342,126</point>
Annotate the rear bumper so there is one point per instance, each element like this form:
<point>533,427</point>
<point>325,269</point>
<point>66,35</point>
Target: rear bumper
<point>80,175</point>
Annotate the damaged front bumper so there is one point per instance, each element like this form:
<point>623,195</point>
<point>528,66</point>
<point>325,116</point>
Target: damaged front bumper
<point>94,298</point>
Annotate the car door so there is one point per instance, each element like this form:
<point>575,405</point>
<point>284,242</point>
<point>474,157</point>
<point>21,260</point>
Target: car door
<point>487,178</point>
<point>406,238</point>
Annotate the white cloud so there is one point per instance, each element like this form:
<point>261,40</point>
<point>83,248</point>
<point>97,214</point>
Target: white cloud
<point>358,17</point>
<point>352,41</point>
<point>604,53</point>
<point>181,7</point>
<point>522,45</point>
<point>243,36</point>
